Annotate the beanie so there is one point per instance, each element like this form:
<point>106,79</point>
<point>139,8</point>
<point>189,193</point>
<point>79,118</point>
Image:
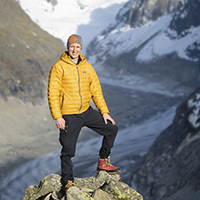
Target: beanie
<point>74,39</point>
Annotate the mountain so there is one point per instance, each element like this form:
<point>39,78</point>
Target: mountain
<point>55,16</point>
<point>26,54</point>
<point>147,58</point>
<point>155,40</point>
<point>170,170</point>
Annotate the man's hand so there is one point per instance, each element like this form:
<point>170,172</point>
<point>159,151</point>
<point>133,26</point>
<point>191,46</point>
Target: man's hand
<point>60,123</point>
<point>106,117</point>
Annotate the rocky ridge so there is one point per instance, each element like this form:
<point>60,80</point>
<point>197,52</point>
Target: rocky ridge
<point>26,54</point>
<point>101,187</point>
<point>170,170</point>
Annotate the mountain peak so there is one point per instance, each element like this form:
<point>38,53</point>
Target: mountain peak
<point>101,187</point>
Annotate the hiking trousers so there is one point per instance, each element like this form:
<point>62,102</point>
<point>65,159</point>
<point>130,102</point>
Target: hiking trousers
<point>68,138</point>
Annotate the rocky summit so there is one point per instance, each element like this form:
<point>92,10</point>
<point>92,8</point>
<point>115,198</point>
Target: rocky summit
<point>100,187</point>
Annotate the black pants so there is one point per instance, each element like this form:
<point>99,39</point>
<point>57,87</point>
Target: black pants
<point>68,138</point>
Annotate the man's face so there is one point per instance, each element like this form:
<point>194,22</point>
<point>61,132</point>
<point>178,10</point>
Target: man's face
<point>74,50</point>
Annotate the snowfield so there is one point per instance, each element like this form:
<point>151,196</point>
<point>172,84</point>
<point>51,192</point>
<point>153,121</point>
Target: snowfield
<point>85,17</point>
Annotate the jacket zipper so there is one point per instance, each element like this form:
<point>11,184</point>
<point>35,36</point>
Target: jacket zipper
<point>79,88</point>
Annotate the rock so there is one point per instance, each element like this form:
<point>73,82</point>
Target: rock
<point>74,193</point>
<point>101,195</point>
<point>96,182</point>
<point>120,190</point>
<point>30,192</point>
<point>49,184</point>
<point>101,187</point>
<point>27,53</point>
<point>170,170</point>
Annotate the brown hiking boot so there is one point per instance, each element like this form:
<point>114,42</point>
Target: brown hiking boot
<point>69,184</point>
<point>105,165</point>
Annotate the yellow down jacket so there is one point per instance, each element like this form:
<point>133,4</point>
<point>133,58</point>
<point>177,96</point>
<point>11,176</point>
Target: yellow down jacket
<point>72,86</point>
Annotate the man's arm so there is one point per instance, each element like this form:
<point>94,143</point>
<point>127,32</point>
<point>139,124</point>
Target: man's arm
<point>98,99</point>
<point>54,91</point>
<point>96,92</point>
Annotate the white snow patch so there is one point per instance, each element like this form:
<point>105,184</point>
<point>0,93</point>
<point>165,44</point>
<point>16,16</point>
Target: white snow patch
<point>195,116</point>
<point>161,44</point>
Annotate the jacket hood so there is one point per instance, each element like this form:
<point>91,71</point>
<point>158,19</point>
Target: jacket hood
<point>66,58</point>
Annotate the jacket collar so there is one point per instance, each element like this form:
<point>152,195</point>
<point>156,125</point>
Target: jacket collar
<point>66,58</point>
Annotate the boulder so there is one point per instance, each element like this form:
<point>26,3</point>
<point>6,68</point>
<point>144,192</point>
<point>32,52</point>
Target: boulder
<point>100,187</point>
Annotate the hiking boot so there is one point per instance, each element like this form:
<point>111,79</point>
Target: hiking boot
<point>105,165</point>
<point>69,184</point>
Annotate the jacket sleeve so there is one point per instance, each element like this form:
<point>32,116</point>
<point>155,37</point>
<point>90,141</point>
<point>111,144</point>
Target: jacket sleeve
<point>55,91</point>
<point>96,92</point>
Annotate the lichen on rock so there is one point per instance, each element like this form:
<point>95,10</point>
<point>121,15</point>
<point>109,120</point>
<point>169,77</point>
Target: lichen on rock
<point>100,187</point>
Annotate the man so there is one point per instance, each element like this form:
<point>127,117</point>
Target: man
<point>72,84</point>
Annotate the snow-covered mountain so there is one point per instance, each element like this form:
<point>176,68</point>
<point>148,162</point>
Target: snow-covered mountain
<point>153,41</point>
<point>139,25</point>
<point>62,18</point>
<point>120,26</point>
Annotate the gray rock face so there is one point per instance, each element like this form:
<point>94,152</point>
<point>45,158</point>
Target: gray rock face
<point>143,11</point>
<point>171,166</point>
<point>188,17</point>
<point>100,187</point>
<point>53,2</point>
<point>26,54</point>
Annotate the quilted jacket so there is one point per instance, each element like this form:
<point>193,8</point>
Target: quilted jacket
<point>72,86</point>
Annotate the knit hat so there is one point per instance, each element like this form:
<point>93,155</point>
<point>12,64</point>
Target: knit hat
<point>74,39</point>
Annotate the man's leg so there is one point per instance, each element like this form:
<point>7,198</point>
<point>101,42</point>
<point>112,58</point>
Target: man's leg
<point>94,120</point>
<point>68,139</point>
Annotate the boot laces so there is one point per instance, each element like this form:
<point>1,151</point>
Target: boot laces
<point>69,184</point>
<point>108,162</point>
